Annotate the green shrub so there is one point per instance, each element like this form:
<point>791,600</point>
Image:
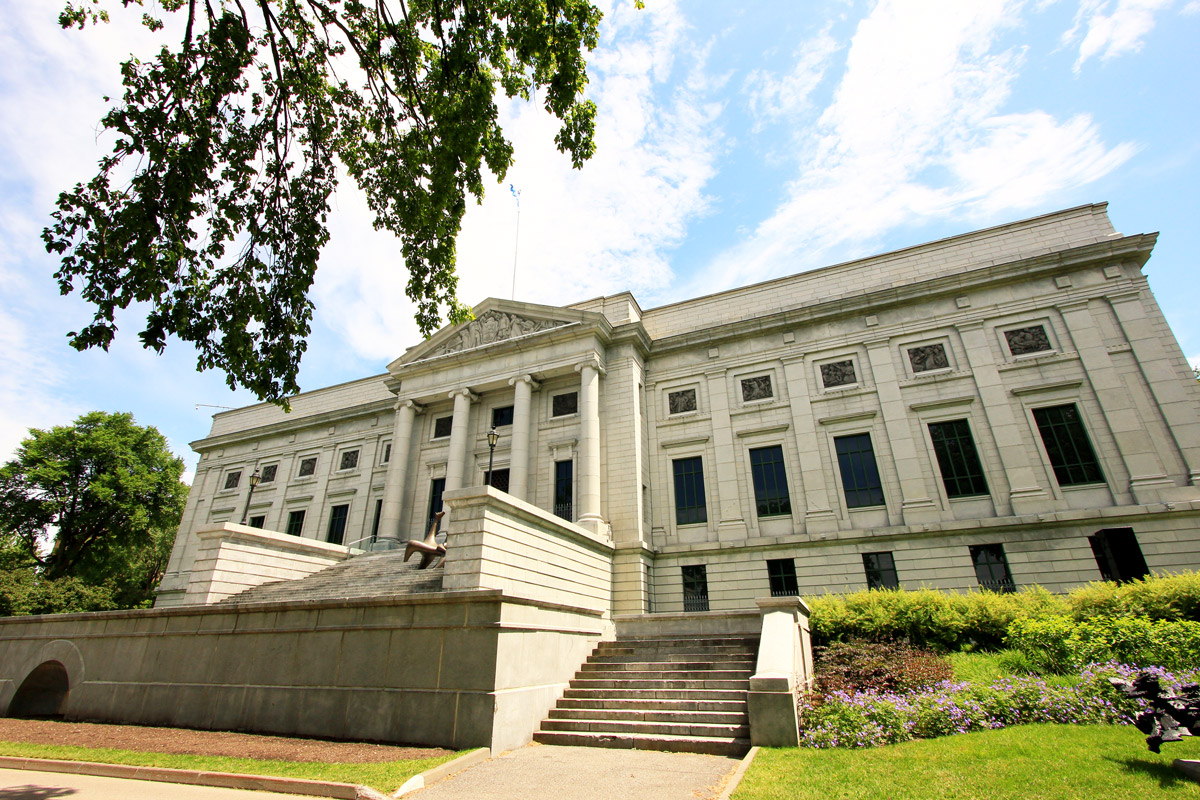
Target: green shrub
<point>24,592</point>
<point>1059,644</point>
<point>1169,597</point>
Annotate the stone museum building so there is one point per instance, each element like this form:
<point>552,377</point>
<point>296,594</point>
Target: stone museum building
<point>634,500</point>
<point>998,409</point>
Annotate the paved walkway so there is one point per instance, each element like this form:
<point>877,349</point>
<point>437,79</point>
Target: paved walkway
<point>22,784</point>
<point>586,773</point>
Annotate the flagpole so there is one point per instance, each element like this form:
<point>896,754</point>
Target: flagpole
<point>516,239</point>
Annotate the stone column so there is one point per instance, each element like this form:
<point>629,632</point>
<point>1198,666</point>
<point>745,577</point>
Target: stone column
<point>589,445</point>
<point>392,513</point>
<point>518,465</point>
<point>1147,478</point>
<point>1026,496</point>
<point>460,438</point>
<point>731,523</point>
<point>819,519</point>
<point>916,505</point>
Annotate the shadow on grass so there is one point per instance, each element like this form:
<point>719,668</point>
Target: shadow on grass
<point>1168,777</point>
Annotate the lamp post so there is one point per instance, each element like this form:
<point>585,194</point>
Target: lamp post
<point>254,479</point>
<point>493,437</point>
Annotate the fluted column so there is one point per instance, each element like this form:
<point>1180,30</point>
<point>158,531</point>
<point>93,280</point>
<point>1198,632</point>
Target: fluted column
<point>589,445</point>
<point>518,465</point>
<point>392,513</point>
<point>459,437</point>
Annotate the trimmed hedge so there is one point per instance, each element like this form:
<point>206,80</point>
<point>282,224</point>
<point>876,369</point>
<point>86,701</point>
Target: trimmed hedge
<point>1058,644</point>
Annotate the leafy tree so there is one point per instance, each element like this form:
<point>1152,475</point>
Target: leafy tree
<point>98,501</point>
<point>212,207</point>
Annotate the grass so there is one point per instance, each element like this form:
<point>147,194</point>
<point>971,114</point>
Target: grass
<point>384,776</point>
<point>1029,762</point>
<point>985,668</point>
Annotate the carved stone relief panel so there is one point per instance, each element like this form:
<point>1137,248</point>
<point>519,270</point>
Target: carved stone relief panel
<point>757,388</point>
<point>1027,340</point>
<point>494,326</point>
<point>928,357</point>
<point>838,373</point>
<point>682,401</point>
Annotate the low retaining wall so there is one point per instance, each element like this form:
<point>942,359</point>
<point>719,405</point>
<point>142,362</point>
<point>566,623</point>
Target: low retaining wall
<point>454,669</point>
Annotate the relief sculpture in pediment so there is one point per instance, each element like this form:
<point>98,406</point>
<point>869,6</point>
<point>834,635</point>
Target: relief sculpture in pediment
<point>494,326</point>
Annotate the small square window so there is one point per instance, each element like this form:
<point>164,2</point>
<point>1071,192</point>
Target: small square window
<point>442,427</point>
<point>1027,340</point>
<point>991,568</point>
<point>695,588</point>
<point>838,373</point>
<point>682,401</point>
<point>1118,555</point>
<point>928,358</point>
<point>349,460</point>
<point>295,525</point>
<point>757,388</point>
<point>308,466</point>
<point>232,479</point>
<point>781,573</point>
<point>268,473</point>
<point>564,405</point>
<point>881,571</point>
<point>502,416</point>
<point>258,521</point>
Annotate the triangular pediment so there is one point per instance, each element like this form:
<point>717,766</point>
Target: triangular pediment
<point>498,321</point>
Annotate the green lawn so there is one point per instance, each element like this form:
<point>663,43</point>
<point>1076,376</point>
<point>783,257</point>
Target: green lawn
<point>384,776</point>
<point>1030,762</point>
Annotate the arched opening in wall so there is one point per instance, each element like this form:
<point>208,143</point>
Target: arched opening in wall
<point>43,693</point>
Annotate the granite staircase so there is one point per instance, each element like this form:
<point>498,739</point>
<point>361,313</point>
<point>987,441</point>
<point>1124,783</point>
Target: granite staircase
<point>372,575</point>
<point>683,693</point>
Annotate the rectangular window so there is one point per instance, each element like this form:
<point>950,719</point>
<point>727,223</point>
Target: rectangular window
<point>232,479</point>
<point>564,489</point>
<point>442,427</point>
<point>881,571</point>
<point>1067,445</point>
<point>695,588</point>
<point>436,487</point>
<point>991,567</point>
<point>770,481</point>
<point>781,573</point>
<point>375,522</point>
<point>295,524</point>
<point>497,479</point>
<point>502,416</point>
<point>689,491</point>
<point>564,405</point>
<point>268,473</point>
<point>258,521</point>
<point>962,474</point>
<point>860,476</point>
<point>1118,555</point>
<point>337,524</point>
<point>308,466</point>
<point>349,459</point>
<point>387,453</point>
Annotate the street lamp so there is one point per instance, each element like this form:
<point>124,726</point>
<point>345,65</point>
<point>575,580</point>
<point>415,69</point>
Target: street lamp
<point>254,479</point>
<point>493,437</point>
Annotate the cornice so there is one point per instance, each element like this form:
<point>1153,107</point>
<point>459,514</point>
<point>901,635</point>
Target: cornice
<point>385,407</point>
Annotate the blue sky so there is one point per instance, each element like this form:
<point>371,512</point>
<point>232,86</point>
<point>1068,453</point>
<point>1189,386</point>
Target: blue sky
<point>735,144</point>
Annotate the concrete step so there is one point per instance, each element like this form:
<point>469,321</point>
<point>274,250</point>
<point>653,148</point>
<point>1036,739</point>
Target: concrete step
<point>720,746</point>
<point>664,674</point>
<point>649,715</point>
<point>672,657</point>
<point>647,728</point>
<point>656,693</point>
<point>662,684</point>
<point>373,575</point>
<point>604,703</point>
<point>617,667</point>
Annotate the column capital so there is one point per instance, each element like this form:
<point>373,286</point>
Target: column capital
<point>524,379</point>
<point>465,392</point>
<point>416,407</point>
<point>794,358</point>
<point>1128,296</point>
<point>969,325</point>
<point>592,361</point>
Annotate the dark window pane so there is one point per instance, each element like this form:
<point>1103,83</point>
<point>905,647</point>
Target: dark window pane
<point>337,524</point>
<point>860,476</point>
<point>881,571</point>
<point>564,489</point>
<point>387,453</point>
<point>689,491</point>
<point>1118,555</point>
<point>442,427</point>
<point>1067,445</point>
<point>258,521</point>
<point>497,479</point>
<point>565,404</point>
<point>308,466</point>
<point>268,473</point>
<point>991,567</point>
<point>695,588</point>
<point>770,482</point>
<point>375,522</point>
<point>502,416</point>
<point>962,474</point>
<point>436,487</point>
<point>232,480</point>
<point>781,573</point>
<point>295,524</point>
<point>349,460</point>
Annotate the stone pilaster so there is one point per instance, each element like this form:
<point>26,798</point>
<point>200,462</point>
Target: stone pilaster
<point>518,465</point>
<point>589,445</point>
<point>392,513</point>
<point>731,523</point>
<point>819,518</point>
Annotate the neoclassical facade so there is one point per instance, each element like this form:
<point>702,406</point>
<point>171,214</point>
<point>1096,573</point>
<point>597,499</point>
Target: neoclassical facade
<point>1002,408</point>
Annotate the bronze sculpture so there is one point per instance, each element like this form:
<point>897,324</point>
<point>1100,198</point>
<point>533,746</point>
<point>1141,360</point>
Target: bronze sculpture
<point>429,548</point>
<point>1169,717</point>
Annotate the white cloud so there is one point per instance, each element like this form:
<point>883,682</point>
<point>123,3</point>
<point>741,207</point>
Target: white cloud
<point>771,97</point>
<point>1191,9</point>
<point>916,133</point>
<point>1107,29</point>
